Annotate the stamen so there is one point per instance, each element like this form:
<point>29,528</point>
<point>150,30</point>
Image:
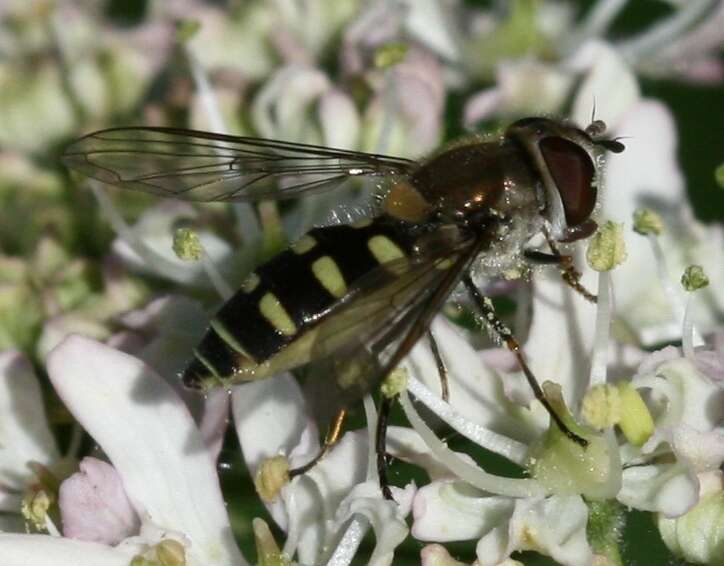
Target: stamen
<point>599,356</point>
<point>188,247</point>
<point>692,280</point>
<point>464,470</point>
<point>124,231</point>
<point>358,526</point>
<point>649,224</point>
<point>248,224</point>
<point>606,251</point>
<point>497,443</point>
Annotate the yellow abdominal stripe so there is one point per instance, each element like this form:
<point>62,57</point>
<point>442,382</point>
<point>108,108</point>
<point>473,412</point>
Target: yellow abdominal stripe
<point>384,249</point>
<point>303,244</point>
<point>250,283</point>
<point>228,337</point>
<point>326,271</point>
<point>274,312</point>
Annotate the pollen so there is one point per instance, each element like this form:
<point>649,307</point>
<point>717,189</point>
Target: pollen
<point>271,477</point>
<point>276,314</point>
<point>608,248</point>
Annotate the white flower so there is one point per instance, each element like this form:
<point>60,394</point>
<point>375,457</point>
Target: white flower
<point>25,436</point>
<point>450,509</point>
<point>315,509</point>
<point>698,535</point>
<point>149,437</point>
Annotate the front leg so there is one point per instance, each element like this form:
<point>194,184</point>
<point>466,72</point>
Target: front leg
<point>487,314</point>
<point>569,273</point>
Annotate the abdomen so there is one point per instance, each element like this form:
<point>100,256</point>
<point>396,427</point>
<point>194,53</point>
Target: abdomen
<point>267,326</point>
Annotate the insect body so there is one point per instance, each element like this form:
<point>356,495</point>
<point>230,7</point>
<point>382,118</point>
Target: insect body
<point>352,300</point>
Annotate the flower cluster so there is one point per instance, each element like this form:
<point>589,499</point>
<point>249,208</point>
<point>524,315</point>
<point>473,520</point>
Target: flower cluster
<point>100,307</point>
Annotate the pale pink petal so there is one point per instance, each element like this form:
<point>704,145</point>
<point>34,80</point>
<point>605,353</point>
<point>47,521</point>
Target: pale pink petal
<point>339,119</point>
<point>24,432</point>
<point>152,441</point>
<point>94,505</point>
<point>44,550</point>
<point>710,361</point>
<point>481,106</point>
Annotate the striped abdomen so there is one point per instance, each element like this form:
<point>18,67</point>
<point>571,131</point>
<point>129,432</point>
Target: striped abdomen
<point>264,328</point>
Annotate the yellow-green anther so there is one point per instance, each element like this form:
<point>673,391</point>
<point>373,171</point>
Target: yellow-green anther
<point>719,175</point>
<point>267,550</point>
<point>141,561</point>
<point>647,222</point>
<point>395,383</point>
<point>171,553</point>
<point>694,278</point>
<point>602,406</point>
<point>186,29</point>
<point>35,508</point>
<point>607,248</point>
<point>271,477</point>
<point>636,422</point>
<point>389,55</point>
<point>186,245</point>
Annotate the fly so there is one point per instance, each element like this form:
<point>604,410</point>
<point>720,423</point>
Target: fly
<point>351,300</point>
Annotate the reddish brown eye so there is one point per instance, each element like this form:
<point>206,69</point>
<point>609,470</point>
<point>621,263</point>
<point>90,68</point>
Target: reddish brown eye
<point>572,171</point>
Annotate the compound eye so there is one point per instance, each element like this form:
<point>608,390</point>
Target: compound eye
<point>572,171</point>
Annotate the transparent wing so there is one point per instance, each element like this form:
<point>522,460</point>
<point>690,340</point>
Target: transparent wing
<point>202,166</point>
<point>368,332</point>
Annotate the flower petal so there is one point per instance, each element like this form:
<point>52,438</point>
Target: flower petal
<point>670,489</point>
<point>555,527</point>
<point>44,550</point>
<point>386,517</point>
<point>446,511</point>
<point>94,505</point>
<point>152,441</point>
<point>24,432</point>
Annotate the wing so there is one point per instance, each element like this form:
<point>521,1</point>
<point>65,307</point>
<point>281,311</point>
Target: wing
<point>202,166</point>
<point>368,332</point>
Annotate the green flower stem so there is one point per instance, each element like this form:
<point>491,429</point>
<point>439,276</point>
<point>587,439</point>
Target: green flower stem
<point>605,526</point>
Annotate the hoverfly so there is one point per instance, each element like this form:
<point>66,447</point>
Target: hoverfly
<point>351,300</point>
